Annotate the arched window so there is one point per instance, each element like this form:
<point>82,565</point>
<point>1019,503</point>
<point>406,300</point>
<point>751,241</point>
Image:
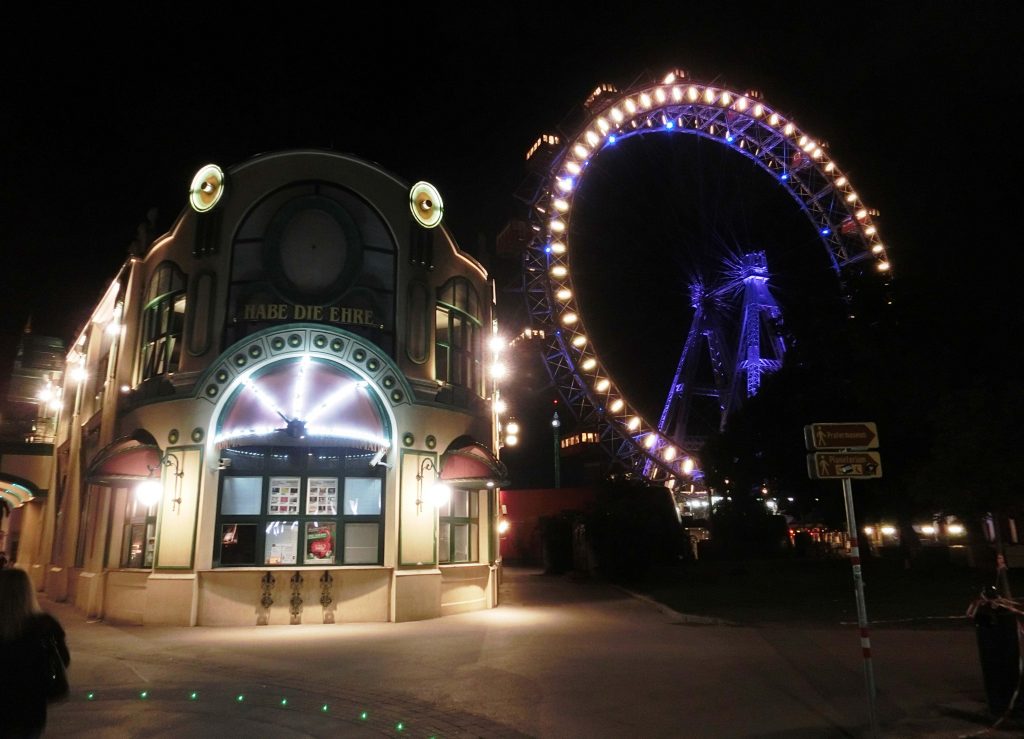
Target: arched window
<point>307,489</point>
<point>163,315</point>
<point>457,335</point>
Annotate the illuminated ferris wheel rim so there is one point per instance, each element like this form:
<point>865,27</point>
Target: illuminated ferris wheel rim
<point>745,124</point>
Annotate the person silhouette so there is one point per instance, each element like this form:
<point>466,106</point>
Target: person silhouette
<point>25,631</point>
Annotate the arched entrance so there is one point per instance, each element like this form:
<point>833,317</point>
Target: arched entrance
<point>298,441</point>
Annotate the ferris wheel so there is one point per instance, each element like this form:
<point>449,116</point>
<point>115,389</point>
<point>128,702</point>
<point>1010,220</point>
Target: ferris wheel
<point>676,105</point>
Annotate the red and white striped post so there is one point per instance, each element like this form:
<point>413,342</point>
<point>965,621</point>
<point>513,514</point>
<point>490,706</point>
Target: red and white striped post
<point>862,611</point>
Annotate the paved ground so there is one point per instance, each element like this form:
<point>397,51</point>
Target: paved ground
<point>559,658</point>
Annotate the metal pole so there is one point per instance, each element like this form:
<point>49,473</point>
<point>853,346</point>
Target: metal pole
<point>862,611</point>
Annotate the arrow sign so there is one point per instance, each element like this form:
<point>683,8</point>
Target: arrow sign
<point>835,465</point>
<point>841,436</point>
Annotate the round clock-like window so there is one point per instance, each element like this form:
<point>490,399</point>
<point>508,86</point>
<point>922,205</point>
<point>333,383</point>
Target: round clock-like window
<point>313,251</point>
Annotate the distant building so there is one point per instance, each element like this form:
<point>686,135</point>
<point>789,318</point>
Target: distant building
<point>583,462</point>
<point>262,402</point>
<point>26,435</point>
<point>36,375</point>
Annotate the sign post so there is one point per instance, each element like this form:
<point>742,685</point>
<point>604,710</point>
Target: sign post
<point>844,461</point>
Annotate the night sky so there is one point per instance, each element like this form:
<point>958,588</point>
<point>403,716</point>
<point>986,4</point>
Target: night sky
<point>105,117</point>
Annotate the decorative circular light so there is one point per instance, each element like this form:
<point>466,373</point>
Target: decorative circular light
<point>206,189</point>
<point>426,204</point>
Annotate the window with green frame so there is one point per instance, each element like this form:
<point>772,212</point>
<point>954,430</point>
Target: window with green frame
<point>299,506</point>
<point>458,538</point>
<point>138,545</point>
<point>458,335</point>
<point>163,317</point>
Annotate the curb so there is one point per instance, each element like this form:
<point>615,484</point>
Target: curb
<point>685,618</point>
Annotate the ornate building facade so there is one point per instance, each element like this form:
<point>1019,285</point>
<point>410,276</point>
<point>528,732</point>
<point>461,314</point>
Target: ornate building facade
<point>280,413</point>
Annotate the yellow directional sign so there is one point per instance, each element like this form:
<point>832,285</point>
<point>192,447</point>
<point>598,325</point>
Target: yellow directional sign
<point>835,465</point>
<point>850,435</point>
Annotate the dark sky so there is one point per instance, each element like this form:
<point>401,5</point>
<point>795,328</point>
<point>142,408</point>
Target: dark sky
<point>104,117</point>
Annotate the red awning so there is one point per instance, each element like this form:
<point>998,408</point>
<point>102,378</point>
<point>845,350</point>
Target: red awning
<point>128,459</point>
<point>468,464</point>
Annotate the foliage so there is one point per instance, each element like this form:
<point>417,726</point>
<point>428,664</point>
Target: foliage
<point>836,370</point>
<point>633,528</point>
<point>947,429</point>
<point>974,441</point>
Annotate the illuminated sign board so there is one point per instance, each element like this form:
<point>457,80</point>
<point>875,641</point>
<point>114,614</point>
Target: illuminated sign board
<point>321,313</point>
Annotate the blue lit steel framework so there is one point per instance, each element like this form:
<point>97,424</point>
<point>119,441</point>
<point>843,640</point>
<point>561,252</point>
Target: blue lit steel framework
<point>735,375</point>
<point>741,121</point>
<point>761,347</point>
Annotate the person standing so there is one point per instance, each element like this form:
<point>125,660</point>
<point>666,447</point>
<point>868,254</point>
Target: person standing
<point>24,630</point>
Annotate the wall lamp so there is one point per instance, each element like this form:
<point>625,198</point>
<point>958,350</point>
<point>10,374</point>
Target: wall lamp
<point>438,493</point>
<point>149,492</point>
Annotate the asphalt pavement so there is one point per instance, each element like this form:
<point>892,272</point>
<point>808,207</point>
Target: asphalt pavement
<point>558,658</point>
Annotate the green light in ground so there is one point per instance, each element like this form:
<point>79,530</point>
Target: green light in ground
<point>240,698</point>
<point>323,708</point>
<point>193,696</point>
<point>399,726</point>
<point>364,715</point>
<point>144,694</point>
<point>284,701</point>
<point>90,695</point>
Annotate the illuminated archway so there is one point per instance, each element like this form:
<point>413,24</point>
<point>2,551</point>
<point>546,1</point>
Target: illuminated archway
<point>303,401</point>
<point>310,382</point>
<point>16,491</point>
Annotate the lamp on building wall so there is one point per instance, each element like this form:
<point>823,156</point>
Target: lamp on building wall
<point>51,401</point>
<point>437,494</point>
<point>149,492</point>
<point>510,437</point>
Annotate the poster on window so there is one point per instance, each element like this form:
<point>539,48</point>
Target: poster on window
<point>320,543</point>
<point>281,554</point>
<point>322,496</point>
<point>281,539</point>
<point>284,495</point>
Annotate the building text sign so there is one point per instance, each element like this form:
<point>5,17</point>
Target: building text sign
<point>324,313</point>
<point>854,435</point>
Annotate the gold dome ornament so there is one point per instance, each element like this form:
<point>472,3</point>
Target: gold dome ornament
<point>426,204</point>
<point>207,188</point>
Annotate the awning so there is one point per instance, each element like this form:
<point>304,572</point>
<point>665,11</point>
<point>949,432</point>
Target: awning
<point>128,459</point>
<point>469,465</point>
<point>16,491</point>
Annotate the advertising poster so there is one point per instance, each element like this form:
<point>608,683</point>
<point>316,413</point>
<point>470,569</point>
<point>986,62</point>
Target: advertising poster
<point>322,496</point>
<point>281,553</point>
<point>320,543</point>
<point>284,495</point>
